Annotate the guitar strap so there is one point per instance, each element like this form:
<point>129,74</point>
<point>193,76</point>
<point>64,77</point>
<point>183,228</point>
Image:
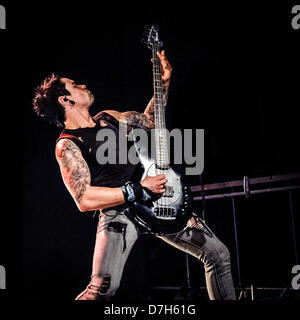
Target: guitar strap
<point>67,136</point>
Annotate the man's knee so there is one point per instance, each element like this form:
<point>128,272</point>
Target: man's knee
<point>221,253</point>
<point>218,255</point>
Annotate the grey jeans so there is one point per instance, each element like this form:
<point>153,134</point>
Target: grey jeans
<point>116,235</point>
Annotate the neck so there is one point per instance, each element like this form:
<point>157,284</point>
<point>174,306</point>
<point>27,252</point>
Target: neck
<point>76,119</point>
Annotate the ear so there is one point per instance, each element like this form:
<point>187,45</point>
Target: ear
<point>61,100</point>
<point>65,104</point>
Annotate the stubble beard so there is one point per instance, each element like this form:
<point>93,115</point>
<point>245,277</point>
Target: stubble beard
<point>91,98</point>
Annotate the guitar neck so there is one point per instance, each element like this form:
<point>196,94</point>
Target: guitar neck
<point>162,155</point>
<point>159,103</point>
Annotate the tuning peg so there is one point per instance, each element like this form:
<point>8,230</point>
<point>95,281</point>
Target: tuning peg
<point>155,27</point>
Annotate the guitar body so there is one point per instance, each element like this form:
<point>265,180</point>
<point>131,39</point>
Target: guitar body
<point>171,211</point>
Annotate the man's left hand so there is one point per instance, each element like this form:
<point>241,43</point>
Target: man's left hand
<point>166,68</point>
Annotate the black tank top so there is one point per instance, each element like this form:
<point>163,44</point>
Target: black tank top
<point>104,175</point>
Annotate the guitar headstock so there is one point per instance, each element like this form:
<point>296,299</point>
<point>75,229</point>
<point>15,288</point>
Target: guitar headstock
<point>151,37</point>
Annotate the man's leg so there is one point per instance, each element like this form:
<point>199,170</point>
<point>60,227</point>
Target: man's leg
<point>115,238</point>
<point>199,241</point>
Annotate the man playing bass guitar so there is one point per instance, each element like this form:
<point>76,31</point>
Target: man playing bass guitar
<point>111,188</point>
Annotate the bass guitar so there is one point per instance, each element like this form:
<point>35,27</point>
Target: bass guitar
<point>170,212</point>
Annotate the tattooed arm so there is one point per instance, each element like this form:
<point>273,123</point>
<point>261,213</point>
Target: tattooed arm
<point>149,111</point>
<point>146,119</point>
<point>76,176</point>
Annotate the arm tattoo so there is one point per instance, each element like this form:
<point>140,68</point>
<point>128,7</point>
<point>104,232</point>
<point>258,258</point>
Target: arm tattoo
<point>165,94</point>
<point>75,171</point>
<point>146,120</point>
<point>137,119</point>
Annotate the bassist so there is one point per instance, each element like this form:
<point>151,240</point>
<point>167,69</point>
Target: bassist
<point>107,188</point>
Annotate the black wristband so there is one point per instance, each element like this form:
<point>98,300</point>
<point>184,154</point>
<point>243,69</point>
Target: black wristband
<point>132,191</point>
<point>136,192</point>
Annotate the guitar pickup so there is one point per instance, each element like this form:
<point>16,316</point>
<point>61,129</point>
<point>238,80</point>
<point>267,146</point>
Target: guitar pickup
<point>162,167</point>
<point>168,192</point>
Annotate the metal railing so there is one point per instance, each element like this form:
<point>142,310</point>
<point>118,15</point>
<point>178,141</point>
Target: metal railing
<point>246,187</point>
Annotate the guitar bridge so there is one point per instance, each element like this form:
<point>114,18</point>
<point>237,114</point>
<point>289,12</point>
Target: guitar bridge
<point>168,213</point>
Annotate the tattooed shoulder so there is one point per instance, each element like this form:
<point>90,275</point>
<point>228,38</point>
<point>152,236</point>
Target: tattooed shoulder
<point>74,169</point>
<point>66,150</point>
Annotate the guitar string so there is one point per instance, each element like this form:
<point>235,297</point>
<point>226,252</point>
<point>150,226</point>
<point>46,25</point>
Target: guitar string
<point>156,203</point>
<point>157,120</point>
<point>162,124</point>
<point>166,160</point>
<point>162,129</point>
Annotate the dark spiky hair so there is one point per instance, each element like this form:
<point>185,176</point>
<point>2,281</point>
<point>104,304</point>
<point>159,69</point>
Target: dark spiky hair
<point>45,101</point>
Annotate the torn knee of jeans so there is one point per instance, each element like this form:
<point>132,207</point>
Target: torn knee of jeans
<point>197,223</point>
<point>118,227</point>
<point>105,284</point>
<point>101,285</point>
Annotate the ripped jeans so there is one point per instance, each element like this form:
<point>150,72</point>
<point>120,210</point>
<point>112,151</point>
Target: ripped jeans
<point>116,235</point>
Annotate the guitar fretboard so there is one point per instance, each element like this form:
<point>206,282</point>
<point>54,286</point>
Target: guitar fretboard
<point>162,154</point>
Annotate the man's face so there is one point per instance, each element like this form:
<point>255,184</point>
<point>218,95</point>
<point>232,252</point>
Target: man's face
<point>78,93</point>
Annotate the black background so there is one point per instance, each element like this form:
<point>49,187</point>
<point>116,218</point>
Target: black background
<point>235,74</point>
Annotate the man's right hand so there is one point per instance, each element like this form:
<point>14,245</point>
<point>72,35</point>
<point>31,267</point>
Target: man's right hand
<point>155,184</point>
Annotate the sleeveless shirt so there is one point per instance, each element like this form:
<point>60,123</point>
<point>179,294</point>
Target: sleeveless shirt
<point>104,175</point>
